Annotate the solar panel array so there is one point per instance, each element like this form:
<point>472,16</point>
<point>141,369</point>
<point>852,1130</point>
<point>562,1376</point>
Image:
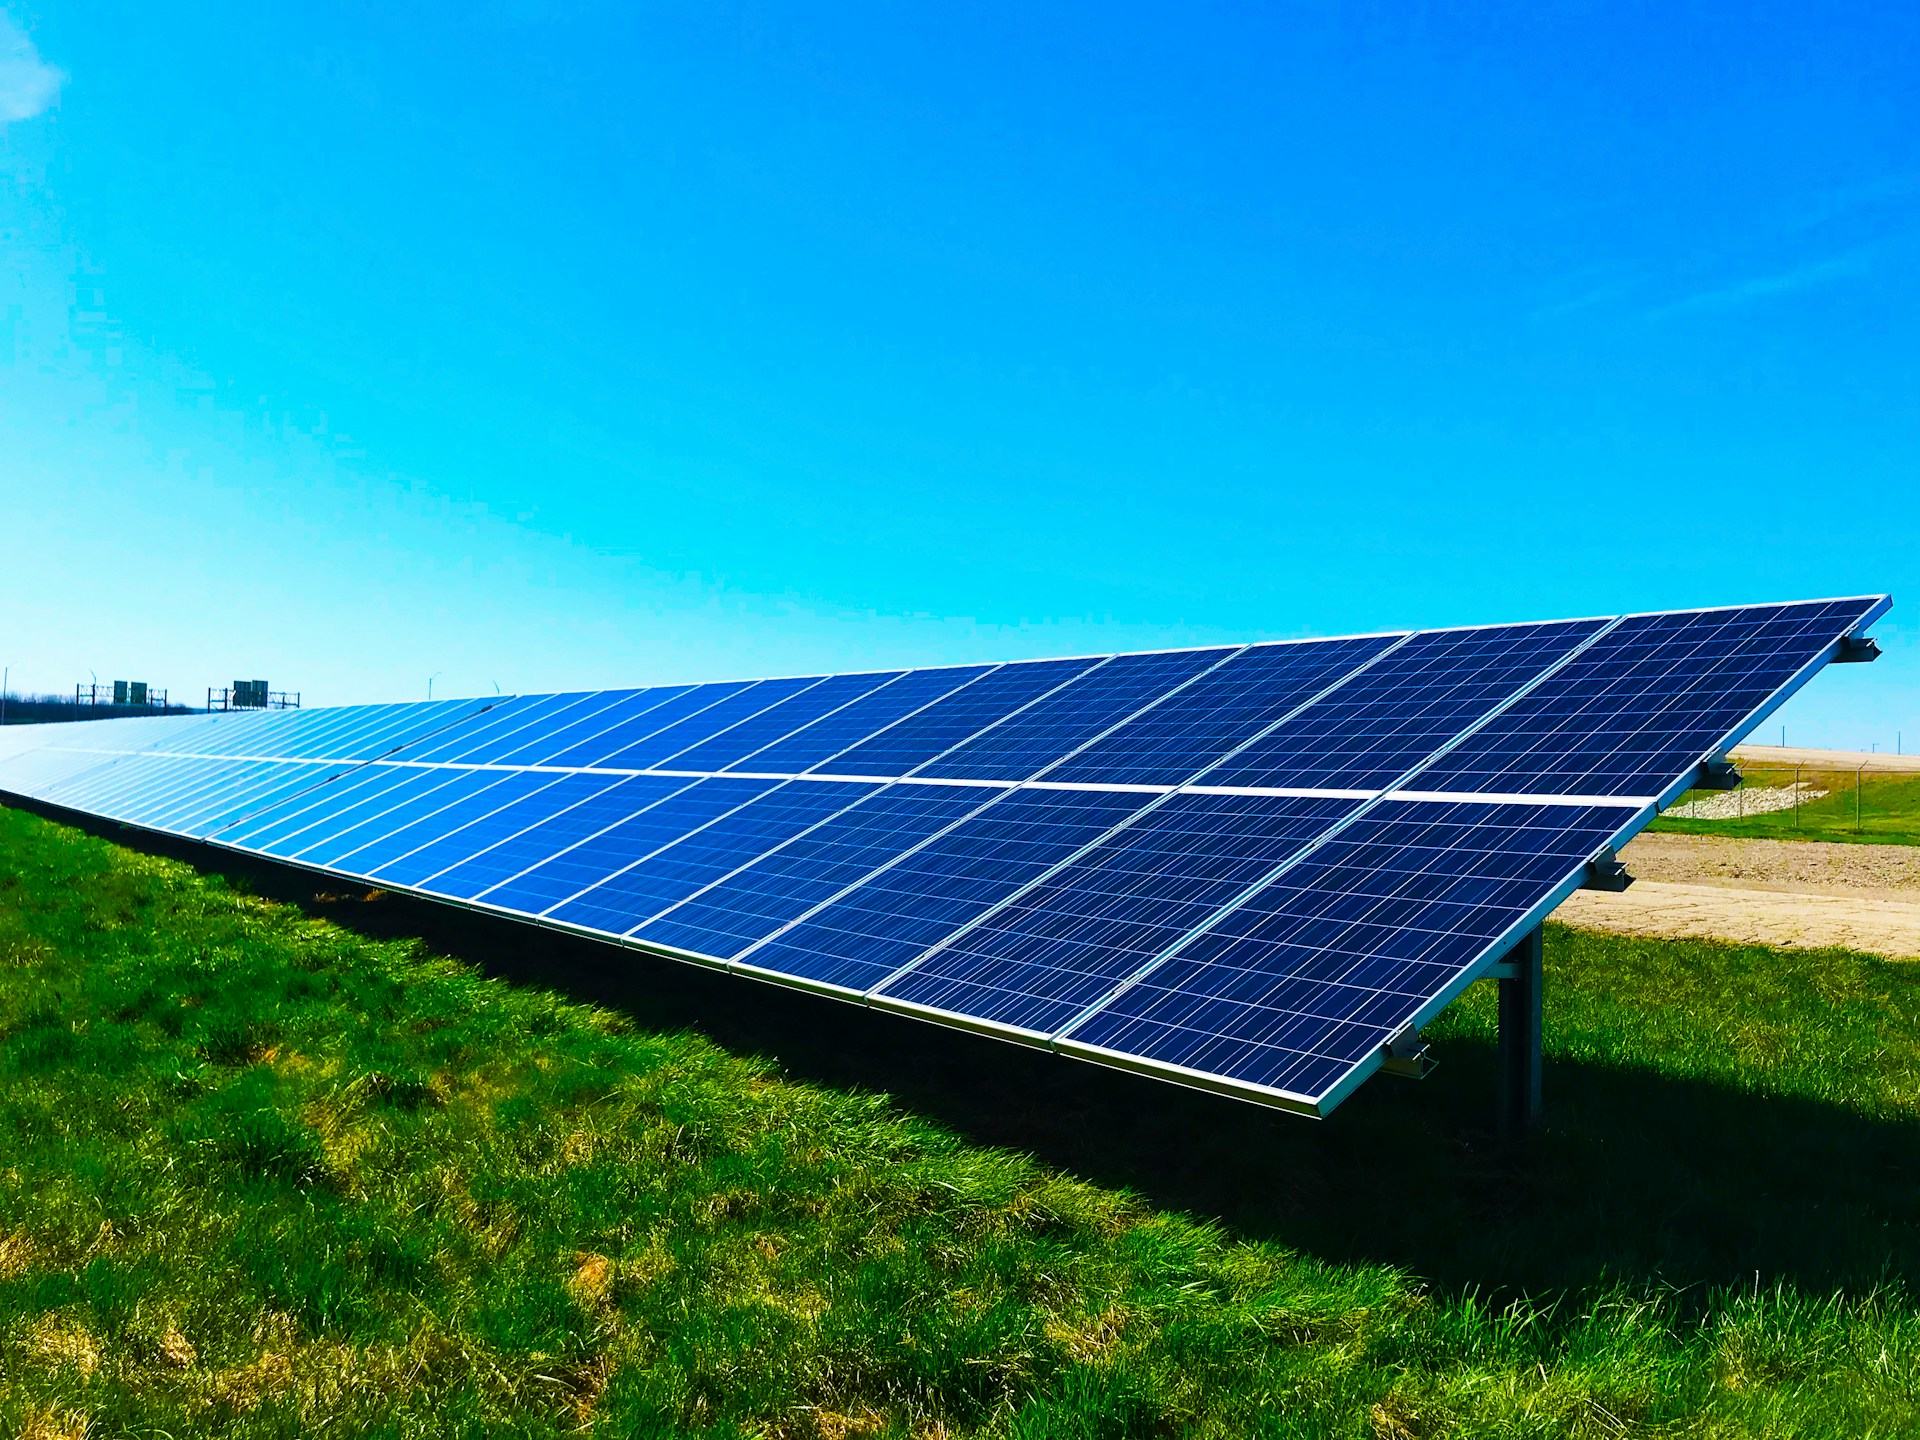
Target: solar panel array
<point>1246,868</point>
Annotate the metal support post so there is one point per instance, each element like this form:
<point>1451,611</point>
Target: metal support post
<point>1520,984</point>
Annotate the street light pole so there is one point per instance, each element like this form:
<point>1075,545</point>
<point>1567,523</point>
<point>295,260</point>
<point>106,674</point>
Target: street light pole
<point>430,679</point>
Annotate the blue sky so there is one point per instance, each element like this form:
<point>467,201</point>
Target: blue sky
<point>569,344</point>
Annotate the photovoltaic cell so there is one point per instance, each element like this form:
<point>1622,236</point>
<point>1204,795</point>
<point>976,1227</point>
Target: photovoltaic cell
<point>217,782</point>
<point>741,741</point>
<point>550,838</point>
<point>1333,958</point>
<point>478,738</point>
<point>36,773</point>
<point>862,937</point>
<point>298,823</point>
<point>483,836</point>
<point>170,786</point>
<point>1371,730</point>
<point>636,894</point>
<point>1646,702</point>
<point>637,837</point>
<point>871,716</point>
<point>966,712</point>
<point>636,715</point>
<point>1027,742</point>
<point>1071,940</point>
<point>748,704</point>
<point>1226,707</point>
<point>99,786</point>
<point>212,816</point>
<point>472,793</point>
<point>791,879</point>
<point>407,803</point>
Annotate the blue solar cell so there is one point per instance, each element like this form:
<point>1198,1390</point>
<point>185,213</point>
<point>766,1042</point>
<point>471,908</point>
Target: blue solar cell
<point>653,882</point>
<point>76,764</point>
<point>736,745</point>
<point>634,715</point>
<point>164,805</point>
<point>158,734</point>
<point>513,852</point>
<point>1386,719</point>
<point>723,715</point>
<point>142,785</point>
<point>505,727</point>
<point>586,716</point>
<point>1645,702</point>
<point>594,858</point>
<point>427,794</point>
<point>866,934</point>
<point>311,805</point>
<point>185,786</point>
<point>287,778</point>
<point>1069,941</point>
<point>354,732</point>
<point>1190,730</point>
<point>790,880</point>
<point>930,732</point>
<point>1026,743</point>
<point>1326,964</point>
<point>290,828</point>
<point>108,779</point>
<point>479,830</point>
<point>829,736</point>
<point>35,773</point>
<point>255,732</point>
<point>468,793</point>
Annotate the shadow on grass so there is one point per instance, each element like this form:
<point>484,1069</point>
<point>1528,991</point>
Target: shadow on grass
<point>1638,1177</point>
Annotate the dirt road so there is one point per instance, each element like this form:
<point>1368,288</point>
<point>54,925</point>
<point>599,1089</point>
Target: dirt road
<point>1775,757</point>
<point>1769,892</point>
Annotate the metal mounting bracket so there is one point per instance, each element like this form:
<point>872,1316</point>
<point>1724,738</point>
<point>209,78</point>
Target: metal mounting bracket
<point>1408,1056</point>
<point>1605,872</point>
<point>1857,650</point>
<point>1717,774</point>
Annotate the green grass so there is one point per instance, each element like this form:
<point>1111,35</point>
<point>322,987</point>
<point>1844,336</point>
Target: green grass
<point>262,1173</point>
<point>1875,809</point>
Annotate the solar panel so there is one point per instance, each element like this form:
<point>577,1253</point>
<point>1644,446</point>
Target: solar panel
<point>1254,869</point>
<point>1342,951</point>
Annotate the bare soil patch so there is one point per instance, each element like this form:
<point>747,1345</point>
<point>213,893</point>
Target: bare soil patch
<point>1786,757</point>
<point>1800,867</point>
<point>1802,894</point>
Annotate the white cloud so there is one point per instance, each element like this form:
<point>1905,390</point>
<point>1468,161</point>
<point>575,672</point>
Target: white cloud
<point>28,84</point>
<point>1782,282</point>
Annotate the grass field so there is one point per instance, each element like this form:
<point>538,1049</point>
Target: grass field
<point>263,1172</point>
<point>1877,809</point>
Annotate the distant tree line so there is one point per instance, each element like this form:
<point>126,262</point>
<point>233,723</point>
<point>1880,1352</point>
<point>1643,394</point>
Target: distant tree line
<point>37,709</point>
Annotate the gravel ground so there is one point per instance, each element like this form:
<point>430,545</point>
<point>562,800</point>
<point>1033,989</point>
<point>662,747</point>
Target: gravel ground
<point>1748,800</point>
